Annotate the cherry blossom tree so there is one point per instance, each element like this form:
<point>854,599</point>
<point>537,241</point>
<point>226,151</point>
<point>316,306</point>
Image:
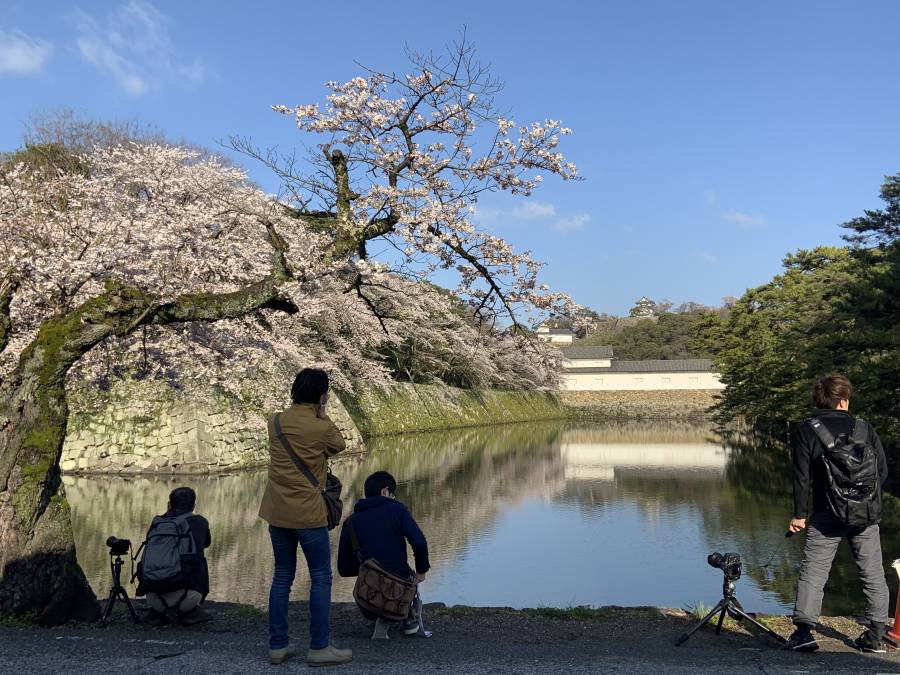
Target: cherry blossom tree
<point>137,239</point>
<point>403,159</point>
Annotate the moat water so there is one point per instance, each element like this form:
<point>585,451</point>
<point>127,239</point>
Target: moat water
<point>543,514</point>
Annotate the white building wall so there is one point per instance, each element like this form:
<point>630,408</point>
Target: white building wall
<point>558,339</point>
<point>586,363</point>
<point>615,381</point>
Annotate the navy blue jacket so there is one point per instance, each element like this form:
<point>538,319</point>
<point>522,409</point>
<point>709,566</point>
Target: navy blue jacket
<point>383,526</point>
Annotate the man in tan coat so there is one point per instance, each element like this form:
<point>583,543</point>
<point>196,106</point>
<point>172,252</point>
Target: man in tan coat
<point>295,511</point>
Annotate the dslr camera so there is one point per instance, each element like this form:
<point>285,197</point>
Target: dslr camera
<point>729,563</point>
<point>122,546</point>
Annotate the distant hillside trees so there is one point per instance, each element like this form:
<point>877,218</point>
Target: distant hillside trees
<point>670,336</point>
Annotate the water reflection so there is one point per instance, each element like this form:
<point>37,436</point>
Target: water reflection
<point>521,515</point>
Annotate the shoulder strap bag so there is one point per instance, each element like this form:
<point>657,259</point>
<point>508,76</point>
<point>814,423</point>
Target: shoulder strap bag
<point>331,493</point>
<point>377,590</point>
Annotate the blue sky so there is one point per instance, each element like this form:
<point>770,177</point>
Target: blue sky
<point>713,136</point>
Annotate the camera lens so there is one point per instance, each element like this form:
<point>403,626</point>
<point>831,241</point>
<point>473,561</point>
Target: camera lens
<point>714,559</point>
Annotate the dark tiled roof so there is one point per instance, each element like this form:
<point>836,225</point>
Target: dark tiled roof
<point>559,331</point>
<point>661,366</point>
<point>601,352</point>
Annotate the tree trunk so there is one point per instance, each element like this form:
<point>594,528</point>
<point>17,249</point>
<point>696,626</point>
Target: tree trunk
<point>39,574</point>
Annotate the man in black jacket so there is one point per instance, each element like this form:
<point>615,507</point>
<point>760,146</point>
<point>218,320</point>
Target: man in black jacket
<point>825,530</point>
<point>185,601</point>
<point>383,526</point>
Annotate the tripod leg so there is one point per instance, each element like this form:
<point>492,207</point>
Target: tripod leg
<point>124,596</point>
<point>107,611</point>
<point>736,609</point>
<point>721,619</point>
<point>720,607</point>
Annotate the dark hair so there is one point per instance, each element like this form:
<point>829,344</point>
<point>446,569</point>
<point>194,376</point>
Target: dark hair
<point>378,481</point>
<point>182,499</point>
<point>309,385</point>
<point>831,390</point>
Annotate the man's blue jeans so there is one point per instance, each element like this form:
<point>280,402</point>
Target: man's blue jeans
<point>317,551</point>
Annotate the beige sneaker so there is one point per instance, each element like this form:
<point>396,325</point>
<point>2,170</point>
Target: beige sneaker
<point>277,656</point>
<point>328,656</point>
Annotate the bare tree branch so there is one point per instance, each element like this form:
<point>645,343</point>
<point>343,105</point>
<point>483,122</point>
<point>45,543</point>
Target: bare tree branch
<point>218,306</point>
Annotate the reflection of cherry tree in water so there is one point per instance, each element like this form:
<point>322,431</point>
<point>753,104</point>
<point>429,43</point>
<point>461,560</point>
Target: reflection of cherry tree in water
<point>452,481</point>
<point>471,476</point>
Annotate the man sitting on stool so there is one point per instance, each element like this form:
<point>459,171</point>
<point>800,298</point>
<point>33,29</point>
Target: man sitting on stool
<point>173,572</point>
<point>383,525</point>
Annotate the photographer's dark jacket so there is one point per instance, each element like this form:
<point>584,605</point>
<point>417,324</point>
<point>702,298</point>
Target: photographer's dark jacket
<point>810,479</point>
<point>199,569</point>
<point>383,526</point>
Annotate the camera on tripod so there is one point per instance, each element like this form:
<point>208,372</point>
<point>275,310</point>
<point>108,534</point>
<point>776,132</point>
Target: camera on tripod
<point>118,546</point>
<point>729,563</point>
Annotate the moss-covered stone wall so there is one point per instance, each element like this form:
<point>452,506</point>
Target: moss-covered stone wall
<point>404,408</point>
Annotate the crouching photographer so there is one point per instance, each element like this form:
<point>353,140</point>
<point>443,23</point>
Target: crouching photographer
<point>373,549</point>
<point>173,572</point>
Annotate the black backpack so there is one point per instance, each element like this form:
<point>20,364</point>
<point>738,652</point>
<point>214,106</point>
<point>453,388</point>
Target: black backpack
<point>168,554</point>
<point>851,470</point>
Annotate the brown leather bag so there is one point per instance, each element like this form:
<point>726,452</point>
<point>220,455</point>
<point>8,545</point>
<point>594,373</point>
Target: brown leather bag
<point>378,591</point>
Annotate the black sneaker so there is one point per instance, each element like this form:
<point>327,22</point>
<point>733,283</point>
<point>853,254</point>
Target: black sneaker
<point>872,640</point>
<point>410,625</point>
<point>802,640</point>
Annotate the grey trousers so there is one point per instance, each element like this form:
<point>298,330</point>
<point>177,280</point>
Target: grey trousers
<point>824,533</point>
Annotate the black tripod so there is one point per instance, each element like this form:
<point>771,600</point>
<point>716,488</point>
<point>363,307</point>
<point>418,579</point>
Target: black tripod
<point>117,590</point>
<point>727,605</point>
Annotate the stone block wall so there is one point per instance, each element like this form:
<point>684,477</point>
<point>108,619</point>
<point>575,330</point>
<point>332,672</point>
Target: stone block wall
<point>637,405</point>
<point>148,428</point>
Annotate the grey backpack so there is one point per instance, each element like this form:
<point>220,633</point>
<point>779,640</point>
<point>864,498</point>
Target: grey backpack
<point>163,566</point>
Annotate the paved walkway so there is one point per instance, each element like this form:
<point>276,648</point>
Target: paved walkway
<point>465,640</point>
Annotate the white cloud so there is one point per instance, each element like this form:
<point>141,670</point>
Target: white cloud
<point>487,216</point>
<point>22,54</point>
<point>743,219</point>
<point>574,223</point>
<point>530,211</point>
<point>534,211</point>
<point>708,257</point>
<point>709,195</point>
<point>134,48</point>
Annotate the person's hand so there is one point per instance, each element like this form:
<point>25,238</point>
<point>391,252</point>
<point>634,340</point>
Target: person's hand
<point>419,578</point>
<point>797,525</point>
